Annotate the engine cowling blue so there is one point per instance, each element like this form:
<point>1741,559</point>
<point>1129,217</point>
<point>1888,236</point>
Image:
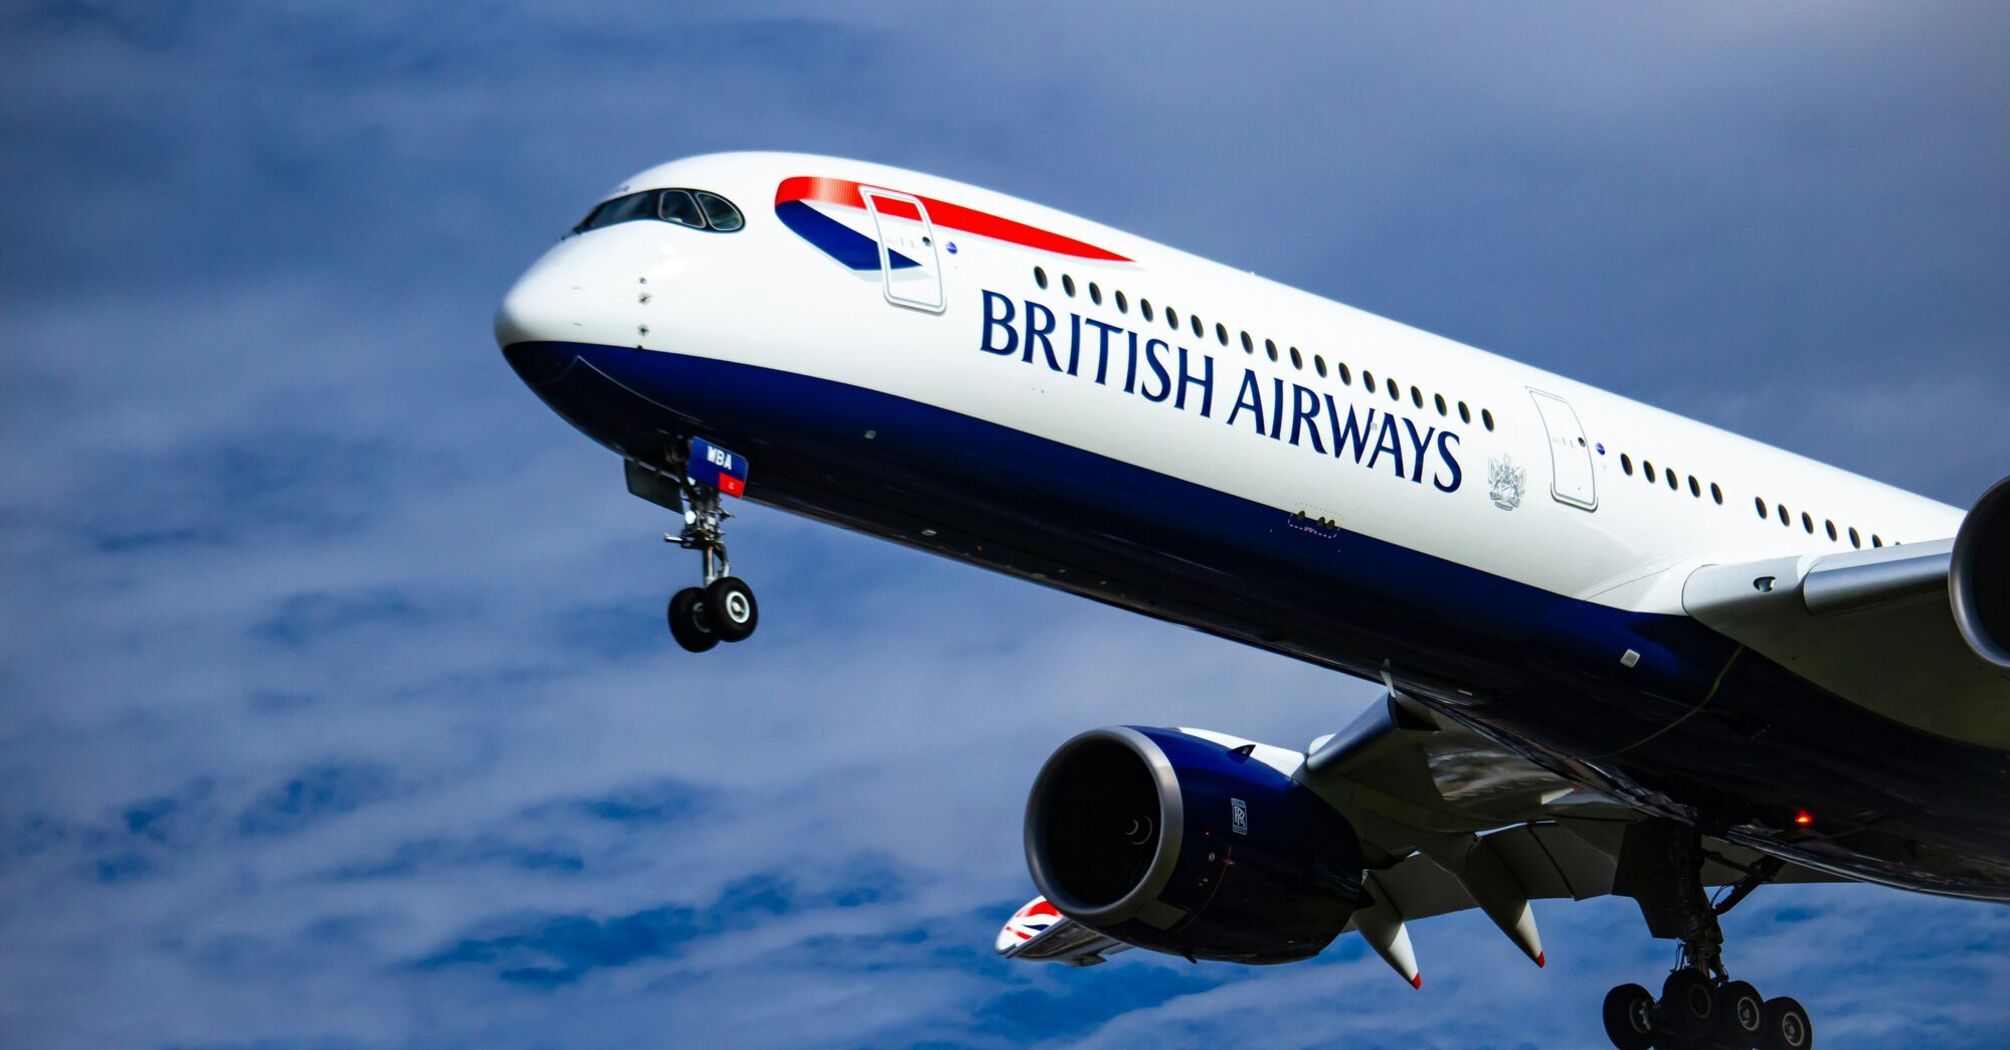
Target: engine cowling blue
<point>1248,866</point>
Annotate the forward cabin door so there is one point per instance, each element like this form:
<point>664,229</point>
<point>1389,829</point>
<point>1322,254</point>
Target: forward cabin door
<point>908,263</point>
<point>1572,480</point>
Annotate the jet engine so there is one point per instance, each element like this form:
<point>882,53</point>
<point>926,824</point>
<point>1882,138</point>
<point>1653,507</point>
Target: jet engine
<point>1181,844</point>
<point>1978,577</point>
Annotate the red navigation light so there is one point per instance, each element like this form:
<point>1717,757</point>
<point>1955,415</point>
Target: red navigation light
<point>1804,818</point>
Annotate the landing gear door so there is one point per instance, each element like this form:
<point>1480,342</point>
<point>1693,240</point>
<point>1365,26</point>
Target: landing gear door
<point>1572,479</point>
<point>908,262</point>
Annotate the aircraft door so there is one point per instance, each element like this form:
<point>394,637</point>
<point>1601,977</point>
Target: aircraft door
<point>909,266</point>
<point>1572,480</point>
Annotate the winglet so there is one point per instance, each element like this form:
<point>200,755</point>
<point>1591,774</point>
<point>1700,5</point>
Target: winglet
<point>1025,924</point>
<point>1040,933</point>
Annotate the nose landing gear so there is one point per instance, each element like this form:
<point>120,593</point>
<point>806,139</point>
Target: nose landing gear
<point>723,608</point>
<point>1700,1007</point>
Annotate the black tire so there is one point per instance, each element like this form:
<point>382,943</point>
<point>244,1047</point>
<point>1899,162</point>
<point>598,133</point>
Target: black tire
<point>691,620</point>
<point>1787,1026</point>
<point>1629,1017</point>
<point>1743,1014</point>
<point>1690,1004</point>
<point>731,604</point>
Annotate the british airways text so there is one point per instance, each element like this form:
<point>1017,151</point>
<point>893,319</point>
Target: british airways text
<point>1149,367</point>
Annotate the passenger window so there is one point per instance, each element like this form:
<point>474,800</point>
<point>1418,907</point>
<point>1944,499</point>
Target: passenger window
<point>1040,277</point>
<point>1716,494</point>
<point>1123,304</point>
<point>1759,503</point>
<point>1270,348</point>
<point>1368,381</point>
<point>1647,466</point>
<point>1248,344</point>
<point>1808,522</point>
<point>1465,414</point>
<point>1626,464</point>
<point>678,206</point>
<point>1695,489</point>
<point>1297,359</point>
<point>1068,285</point>
<point>1095,294</point>
<point>1199,332</point>
<point>1319,364</point>
<point>1346,375</point>
<point>1487,418</point>
<point>1785,517</point>
<point>1439,400</point>
<point>1416,397</point>
<point>1854,539</point>
<point>1221,333</point>
<point>1145,307</point>
<point>720,212</point>
<point>1832,528</point>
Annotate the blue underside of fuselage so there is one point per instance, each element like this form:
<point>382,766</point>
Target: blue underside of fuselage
<point>1697,725</point>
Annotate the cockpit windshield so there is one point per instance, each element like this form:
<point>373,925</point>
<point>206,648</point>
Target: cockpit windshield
<point>694,208</point>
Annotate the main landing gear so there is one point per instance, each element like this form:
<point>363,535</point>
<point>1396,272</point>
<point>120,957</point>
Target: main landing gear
<point>723,608</point>
<point>1700,1006</point>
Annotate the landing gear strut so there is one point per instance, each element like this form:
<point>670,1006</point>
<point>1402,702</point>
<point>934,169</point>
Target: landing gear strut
<point>722,609</point>
<point>1700,1007</point>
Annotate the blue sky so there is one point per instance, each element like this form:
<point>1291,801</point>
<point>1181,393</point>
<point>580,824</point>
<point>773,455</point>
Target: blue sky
<point>335,706</point>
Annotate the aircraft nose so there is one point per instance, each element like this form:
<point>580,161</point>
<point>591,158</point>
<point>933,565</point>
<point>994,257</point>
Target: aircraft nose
<point>537,321</point>
<point>532,309</point>
<point>538,364</point>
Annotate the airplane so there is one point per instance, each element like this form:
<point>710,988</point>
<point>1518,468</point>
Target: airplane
<point>1620,651</point>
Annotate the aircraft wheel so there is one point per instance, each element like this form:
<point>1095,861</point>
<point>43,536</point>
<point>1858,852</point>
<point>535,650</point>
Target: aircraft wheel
<point>1690,1004</point>
<point>1629,1017</point>
<point>691,620</point>
<point>1744,1014</point>
<point>732,607</point>
<point>1786,1026</point>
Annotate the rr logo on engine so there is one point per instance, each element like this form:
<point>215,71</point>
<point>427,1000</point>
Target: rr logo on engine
<point>1238,816</point>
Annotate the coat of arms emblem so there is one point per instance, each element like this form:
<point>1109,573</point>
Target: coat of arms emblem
<point>1504,482</point>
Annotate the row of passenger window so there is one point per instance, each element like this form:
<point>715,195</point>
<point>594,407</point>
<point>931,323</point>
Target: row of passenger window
<point>1808,524</point>
<point>1297,357</point>
<point>1674,479</point>
<point>1675,484</point>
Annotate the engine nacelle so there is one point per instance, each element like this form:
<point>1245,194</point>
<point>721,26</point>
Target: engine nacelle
<point>1978,577</point>
<point>1179,844</point>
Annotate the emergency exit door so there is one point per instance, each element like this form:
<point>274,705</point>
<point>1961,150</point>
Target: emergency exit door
<point>910,268</point>
<point>1572,479</point>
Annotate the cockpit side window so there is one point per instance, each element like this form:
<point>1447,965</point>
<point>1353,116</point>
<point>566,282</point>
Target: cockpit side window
<point>720,212</point>
<point>694,208</point>
<point>678,207</point>
<point>620,209</point>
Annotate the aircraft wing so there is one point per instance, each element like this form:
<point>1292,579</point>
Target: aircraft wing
<point>1876,627</point>
<point>1449,821</point>
<point>1453,821</point>
<point>1040,932</point>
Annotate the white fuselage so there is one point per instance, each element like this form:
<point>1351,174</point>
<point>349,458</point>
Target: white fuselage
<point>806,314</point>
